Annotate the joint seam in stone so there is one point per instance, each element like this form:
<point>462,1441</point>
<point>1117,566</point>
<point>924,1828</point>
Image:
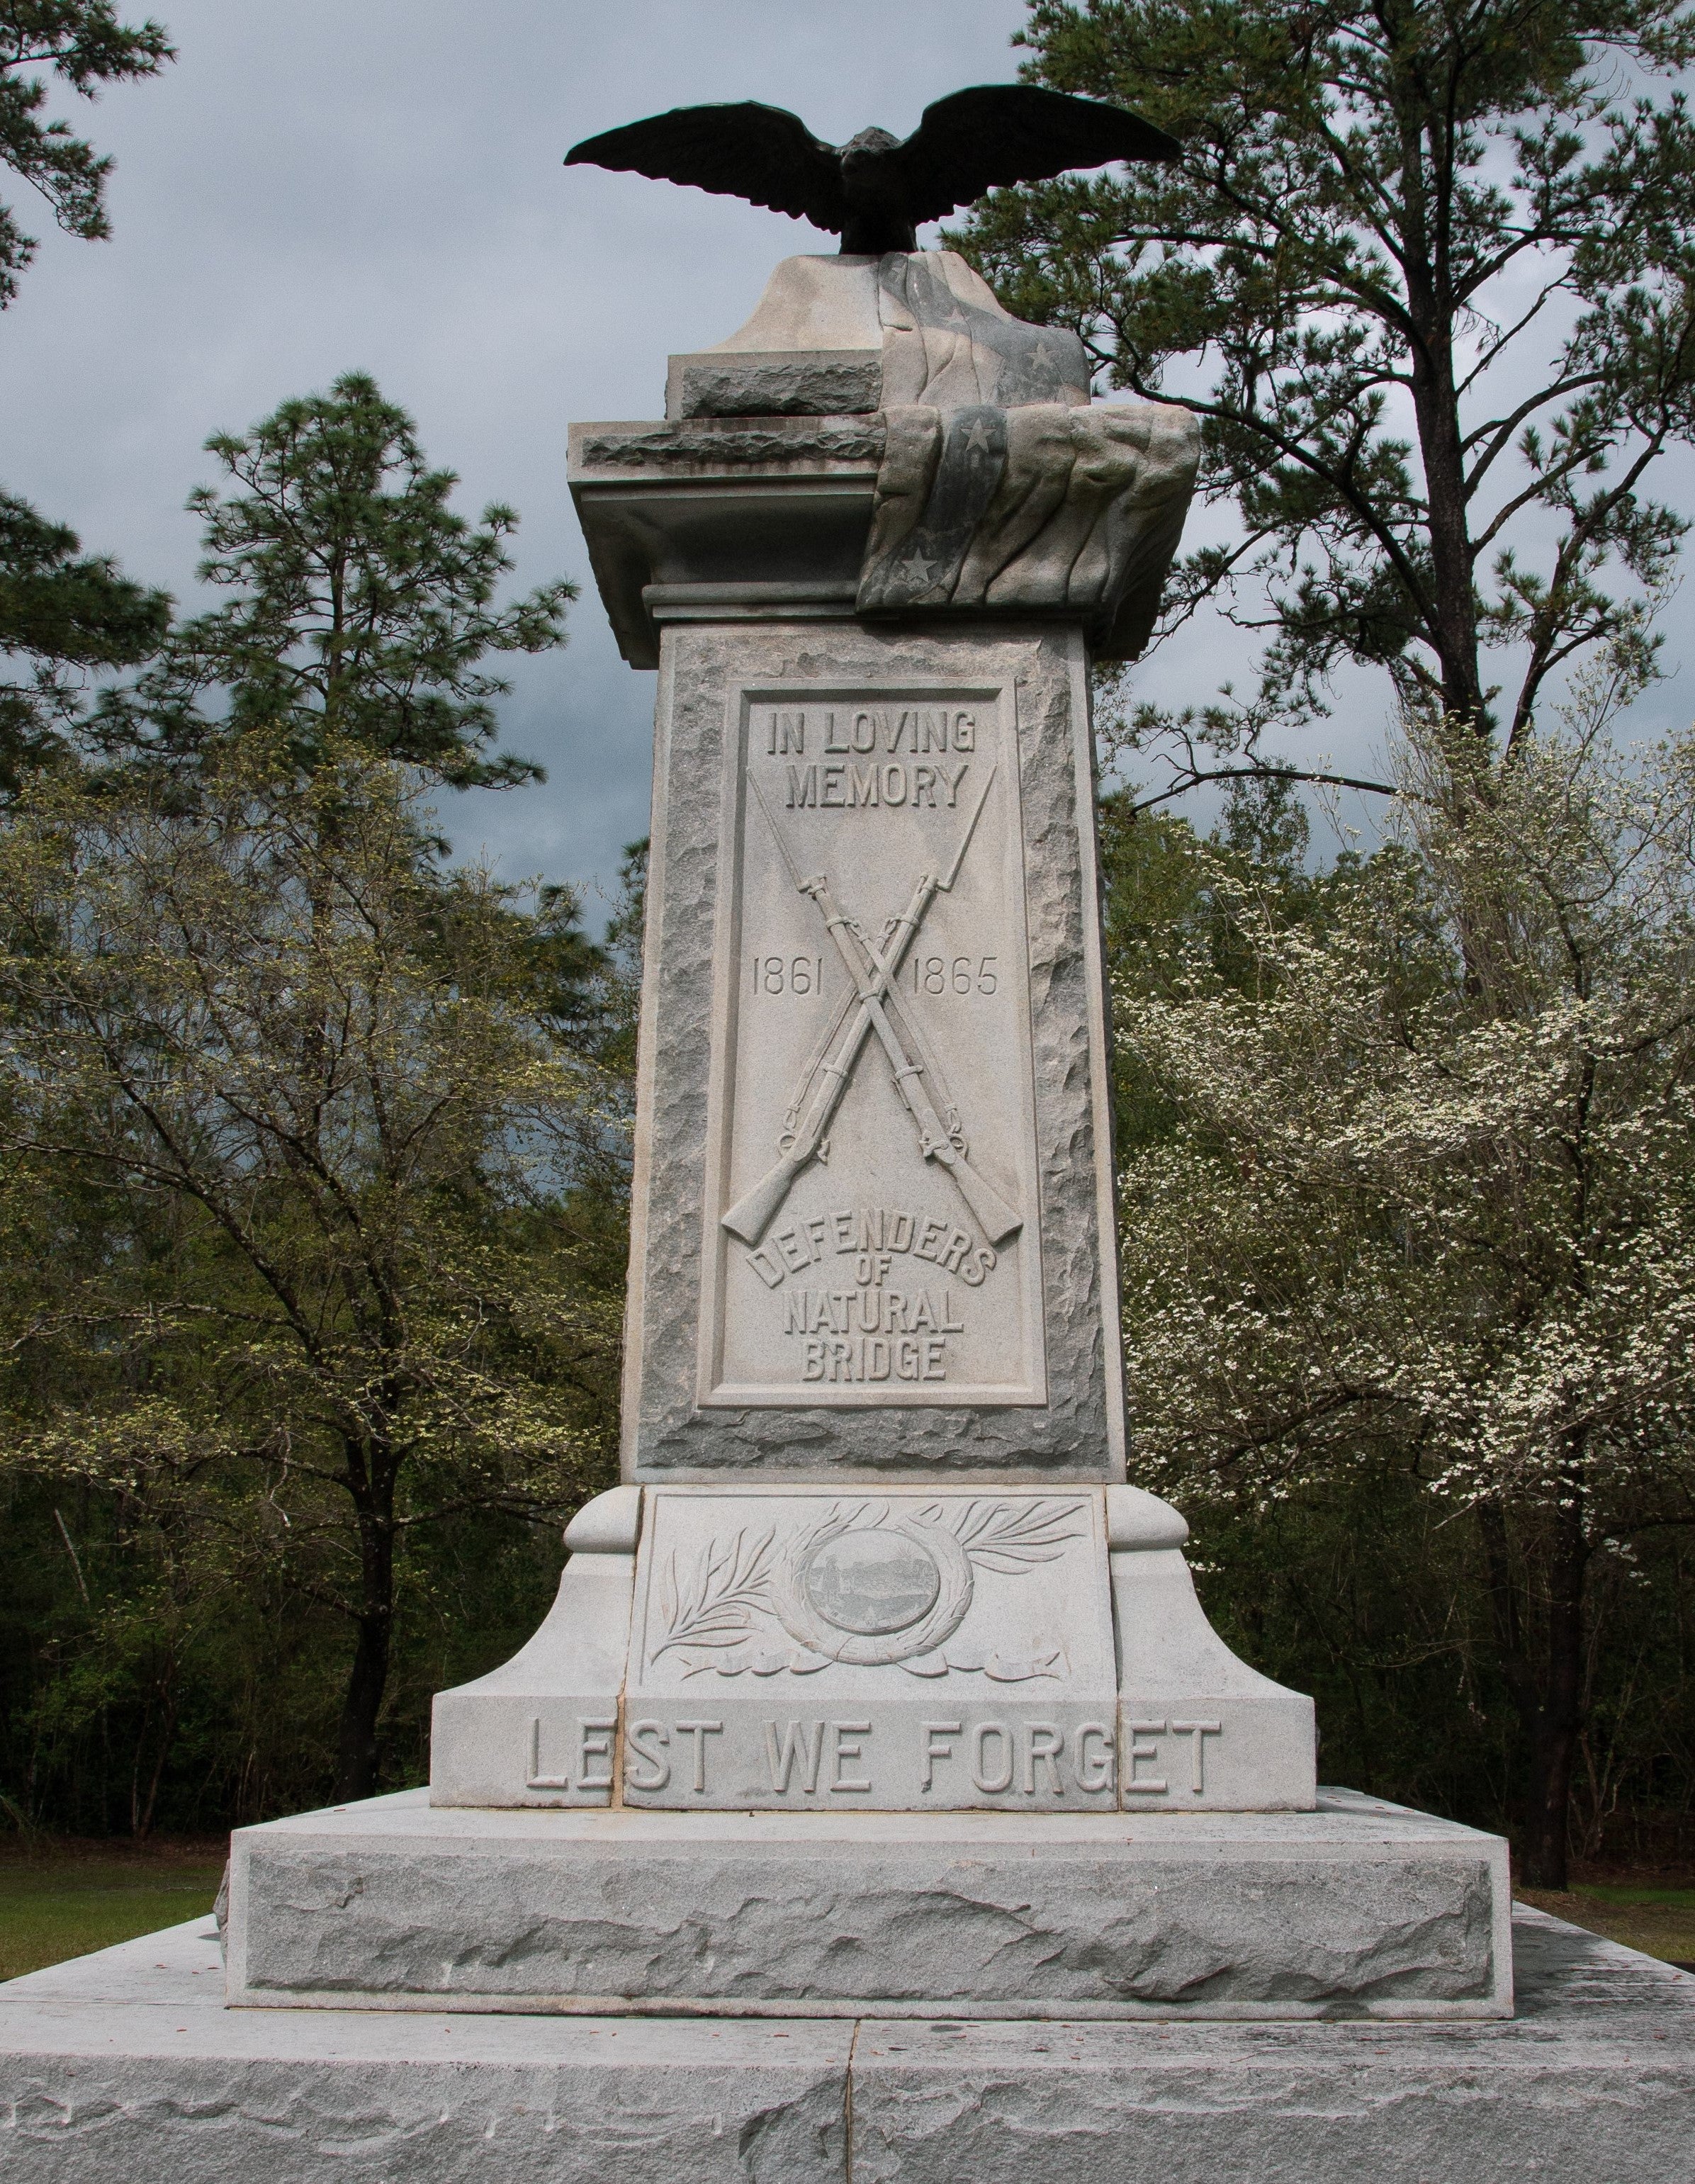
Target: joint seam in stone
<point>847,2102</point>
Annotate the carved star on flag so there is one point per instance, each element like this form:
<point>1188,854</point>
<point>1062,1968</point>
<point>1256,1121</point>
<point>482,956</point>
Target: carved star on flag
<point>918,567</point>
<point>977,440</point>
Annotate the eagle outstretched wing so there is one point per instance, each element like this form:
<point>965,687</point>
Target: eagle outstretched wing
<point>744,150</point>
<point>999,133</point>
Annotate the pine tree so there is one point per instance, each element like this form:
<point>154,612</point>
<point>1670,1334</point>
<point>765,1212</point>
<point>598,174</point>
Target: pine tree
<point>362,605</point>
<point>60,613</point>
<point>85,46</point>
<point>1425,274</point>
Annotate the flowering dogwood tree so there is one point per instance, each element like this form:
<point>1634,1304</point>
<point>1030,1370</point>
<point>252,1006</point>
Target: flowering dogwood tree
<point>1428,1203</point>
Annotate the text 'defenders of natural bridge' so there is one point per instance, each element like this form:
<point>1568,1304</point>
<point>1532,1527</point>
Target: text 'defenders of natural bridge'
<point>874,1211</point>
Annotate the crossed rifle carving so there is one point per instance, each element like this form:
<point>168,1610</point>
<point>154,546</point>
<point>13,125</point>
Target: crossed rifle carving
<point>874,967</point>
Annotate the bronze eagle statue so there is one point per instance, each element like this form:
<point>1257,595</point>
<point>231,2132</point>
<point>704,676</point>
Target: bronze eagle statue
<point>876,189</point>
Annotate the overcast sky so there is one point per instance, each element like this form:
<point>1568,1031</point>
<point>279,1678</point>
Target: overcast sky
<point>321,185</point>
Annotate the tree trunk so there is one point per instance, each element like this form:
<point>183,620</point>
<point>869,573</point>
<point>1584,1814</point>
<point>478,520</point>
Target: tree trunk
<point>368,1678</point>
<point>1546,1694</point>
<point>356,1776</point>
<point>1553,1746</point>
<point>1436,405</point>
<point>1559,1718</point>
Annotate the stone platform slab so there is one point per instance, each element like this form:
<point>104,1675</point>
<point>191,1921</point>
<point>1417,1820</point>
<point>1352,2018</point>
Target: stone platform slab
<point>126,2068</point>
<point>1359,1909</point>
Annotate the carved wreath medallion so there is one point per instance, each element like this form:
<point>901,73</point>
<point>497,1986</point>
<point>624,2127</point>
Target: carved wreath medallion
<point>870,1588</point>
<point>869,1583</point>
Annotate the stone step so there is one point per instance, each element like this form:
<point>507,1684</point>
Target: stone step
<point>125,2068</point>
<point>1357,1909</point>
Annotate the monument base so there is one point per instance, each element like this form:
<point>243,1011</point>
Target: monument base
<point>694,1673</point>
<point>125,2068</point>
<point>1359,1909</point>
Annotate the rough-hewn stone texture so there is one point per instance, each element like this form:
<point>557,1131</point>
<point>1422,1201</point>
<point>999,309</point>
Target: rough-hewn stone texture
<point>1592,2083</point>
<point>1358,1907</point>
<point>124,2068</point>
<point>805,383</point>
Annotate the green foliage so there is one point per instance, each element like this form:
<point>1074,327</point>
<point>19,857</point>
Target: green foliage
<point>1424,274</point>
<point>1409,1209</point>
<point>319,1183</point>
<point>60,612</point>
<point>1375,1597</point>
<point>316,1153</point>
<point>1162,904</point>
<point>363,606</point>
<point>82,44</point>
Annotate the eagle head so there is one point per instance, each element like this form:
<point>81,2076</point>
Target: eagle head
<point>866,149</point>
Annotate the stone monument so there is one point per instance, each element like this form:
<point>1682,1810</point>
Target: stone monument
<point>876,1704</point>
<point>875,1686</point>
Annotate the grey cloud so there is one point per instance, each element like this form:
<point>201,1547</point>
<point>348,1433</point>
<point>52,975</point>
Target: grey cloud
<point>317,186</point>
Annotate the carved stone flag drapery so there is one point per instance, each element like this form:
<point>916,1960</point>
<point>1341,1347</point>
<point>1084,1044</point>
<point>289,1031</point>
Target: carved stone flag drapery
<point>1047,507</point>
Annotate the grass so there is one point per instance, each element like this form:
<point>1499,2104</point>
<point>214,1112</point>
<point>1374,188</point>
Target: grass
<point>64,1900</point>
<point>1647,1913</point>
